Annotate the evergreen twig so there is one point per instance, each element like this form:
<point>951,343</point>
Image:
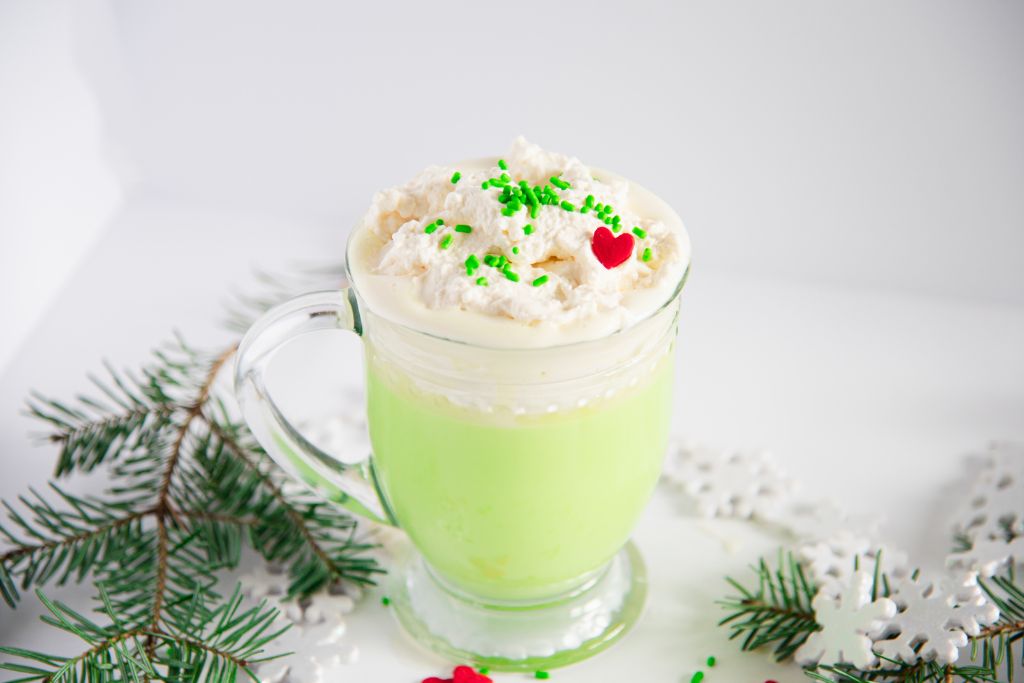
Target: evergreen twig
<point>190,487</point>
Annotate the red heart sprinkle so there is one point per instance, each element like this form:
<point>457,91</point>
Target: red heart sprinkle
<point>466,674</point>
<point>610,250</point>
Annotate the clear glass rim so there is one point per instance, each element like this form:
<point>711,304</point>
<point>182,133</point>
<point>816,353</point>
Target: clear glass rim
<point>669,301</point>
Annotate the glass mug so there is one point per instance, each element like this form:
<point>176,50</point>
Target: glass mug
<point>517,474</point>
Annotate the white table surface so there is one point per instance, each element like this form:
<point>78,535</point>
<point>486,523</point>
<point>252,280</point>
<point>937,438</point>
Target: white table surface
<point>872,398</point>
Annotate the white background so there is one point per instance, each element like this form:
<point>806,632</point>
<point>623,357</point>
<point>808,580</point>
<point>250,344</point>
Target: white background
<point>852,175</point>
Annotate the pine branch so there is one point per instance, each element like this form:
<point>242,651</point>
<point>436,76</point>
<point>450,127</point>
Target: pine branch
<point>778,612</point>
<point>303,534</point>
<point>187,492</point>
<point>920,672</point>
<point>80,539</point>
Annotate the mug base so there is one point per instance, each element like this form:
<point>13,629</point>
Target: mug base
<point>530,638</point>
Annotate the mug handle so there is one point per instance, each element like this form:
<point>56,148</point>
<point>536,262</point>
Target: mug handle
<point>353,487</point>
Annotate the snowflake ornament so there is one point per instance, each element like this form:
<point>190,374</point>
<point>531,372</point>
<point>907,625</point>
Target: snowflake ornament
<point>995,504</point>
<point>989,556</point>
<point>317,628</point>
<point>932,624</point>
<point>318,656</point>
<point>846,622</point>
<point>737,484</point>
<point>832,562</point>
<point>818,520</point>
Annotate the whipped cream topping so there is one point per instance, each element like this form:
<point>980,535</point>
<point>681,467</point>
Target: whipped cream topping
<point>402,252</point>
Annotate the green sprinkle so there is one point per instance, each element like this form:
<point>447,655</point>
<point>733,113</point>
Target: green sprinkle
<point>440,221</point>
<point>541,674</point>
<point>482,281</point>
<point>609,209</point>
<point>567,205</point>
<point>559,183</point>
<point>539,281</point>
<point>510,275</point>
<point>697,677</point>
<point>616,220</point>
<point>599,207</point>
<point>528,228</point>
<point>646,256</point>
<point>505,177</point>
<point>472,262</point>
<point>462,227</point>
<point>508,211</point>
<point>502,262</point>
<point>484,670</point>
<point>639,232</point>
<point>584,209</point>
<point>456,177</point>
<point>497,182</point>
<point>533,211</point>
<point>490,259</point>
<point>711,661</point>
<point>531,196</point>
<point>502,165</point>
<point>446,241</point>
<point>385,601</point>
<point>515,250</point>
<point>589,201</point>
<point>484,185</point>
<point>431,227</point>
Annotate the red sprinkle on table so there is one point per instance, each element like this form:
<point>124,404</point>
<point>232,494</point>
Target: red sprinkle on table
<point>461,674</point>
<point>610,250</point>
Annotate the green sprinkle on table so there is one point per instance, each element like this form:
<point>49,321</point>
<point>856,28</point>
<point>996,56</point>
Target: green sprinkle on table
<point>539,281</point>
<point>462,227</point>
<point>482,281</point>
<point>697,677</point>
<point>711,661</point>
<point>446,241</point>
<point>502,165</point>
<point>385,601</point>
<point>541,675</point>
<point>646,256</point>
<point>456,177</point>
<point>639,232</point>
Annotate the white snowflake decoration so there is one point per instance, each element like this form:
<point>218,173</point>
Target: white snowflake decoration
<point>818,520</point>
<point>989,556</point>
<point>736,484</point>
<point>832,562</point>
<point>931,623</point>
<point>995,503</point>
<point>845,623</point>
<point>318,656</point>
<point>317,632</point>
